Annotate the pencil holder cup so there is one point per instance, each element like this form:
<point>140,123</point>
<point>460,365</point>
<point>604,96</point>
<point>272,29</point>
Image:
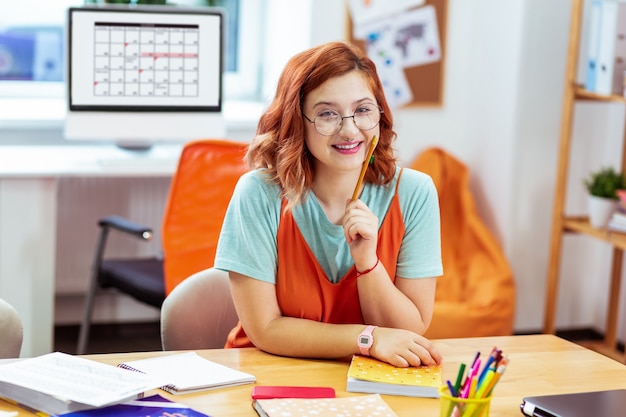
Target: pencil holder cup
<point>462,407</point>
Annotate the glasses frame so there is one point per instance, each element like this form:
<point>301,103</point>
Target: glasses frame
<point>380,111</point>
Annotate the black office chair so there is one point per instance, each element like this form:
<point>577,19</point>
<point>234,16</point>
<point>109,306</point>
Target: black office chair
<point>142,279</point>
<point>197,201</point>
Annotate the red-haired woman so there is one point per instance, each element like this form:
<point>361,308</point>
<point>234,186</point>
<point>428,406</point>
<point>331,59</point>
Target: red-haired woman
<point>314,272</point>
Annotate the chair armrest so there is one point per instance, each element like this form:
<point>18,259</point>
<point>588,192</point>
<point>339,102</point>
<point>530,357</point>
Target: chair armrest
<point>126,226</point>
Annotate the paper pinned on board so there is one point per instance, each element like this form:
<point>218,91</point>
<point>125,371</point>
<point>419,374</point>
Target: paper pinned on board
<point>397,39</point>
<point>364,11</point>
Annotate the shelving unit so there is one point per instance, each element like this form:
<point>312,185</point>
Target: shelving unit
<point>561,222</point>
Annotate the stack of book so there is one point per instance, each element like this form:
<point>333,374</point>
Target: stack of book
<point>617,222</point>
<point>58,383</point>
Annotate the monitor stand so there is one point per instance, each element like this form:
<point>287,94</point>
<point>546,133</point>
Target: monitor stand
<point>135,146</point>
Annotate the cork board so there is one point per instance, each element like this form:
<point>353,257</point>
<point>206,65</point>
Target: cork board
<point>420,81</point>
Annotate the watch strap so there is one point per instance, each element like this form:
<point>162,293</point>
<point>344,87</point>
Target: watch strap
<point>366,334</point>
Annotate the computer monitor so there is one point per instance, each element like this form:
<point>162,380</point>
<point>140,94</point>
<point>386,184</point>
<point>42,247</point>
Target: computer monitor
<point>140,74</point>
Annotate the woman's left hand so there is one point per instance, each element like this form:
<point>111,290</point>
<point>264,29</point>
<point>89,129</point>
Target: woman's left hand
<point>360,227</point>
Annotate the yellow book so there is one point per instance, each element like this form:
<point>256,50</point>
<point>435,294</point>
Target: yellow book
<point>373,376</point>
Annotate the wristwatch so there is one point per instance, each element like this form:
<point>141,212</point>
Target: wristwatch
<point>366,340</point>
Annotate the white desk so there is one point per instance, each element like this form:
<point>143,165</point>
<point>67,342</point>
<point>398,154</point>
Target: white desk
<point>28,213</point>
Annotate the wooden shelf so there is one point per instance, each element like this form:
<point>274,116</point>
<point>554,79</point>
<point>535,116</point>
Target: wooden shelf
<point>581,225</point>
<point>561,223</point>
<point>582,94</point>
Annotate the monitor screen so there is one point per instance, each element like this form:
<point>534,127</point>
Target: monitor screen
<point>144,73</point>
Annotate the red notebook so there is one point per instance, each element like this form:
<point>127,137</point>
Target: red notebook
<point>264,392</point>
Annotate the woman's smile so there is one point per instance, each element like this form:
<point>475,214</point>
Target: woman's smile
<point>349,148</point>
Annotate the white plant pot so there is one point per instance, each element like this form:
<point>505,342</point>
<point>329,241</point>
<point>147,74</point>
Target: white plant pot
<point>600,211</point>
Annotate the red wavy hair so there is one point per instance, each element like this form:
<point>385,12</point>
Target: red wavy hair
<point>279,144</point>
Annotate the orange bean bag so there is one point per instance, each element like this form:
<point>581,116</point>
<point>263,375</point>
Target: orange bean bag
<point>476,294</point>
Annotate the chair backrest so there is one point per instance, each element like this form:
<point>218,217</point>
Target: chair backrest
<point>11,331</point>
<point>199,313</point>
<point>476,295</point>
<point>199,194</point>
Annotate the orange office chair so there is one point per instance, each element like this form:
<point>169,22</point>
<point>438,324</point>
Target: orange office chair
<point>476,295</point>
<point>197,201</point>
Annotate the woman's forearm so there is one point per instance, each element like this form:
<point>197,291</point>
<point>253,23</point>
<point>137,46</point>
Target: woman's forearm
<point>383,304</point>
<point>298,337</point>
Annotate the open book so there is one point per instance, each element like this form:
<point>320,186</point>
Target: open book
<point>189,372</point>
<point>373,376</point>
<point>58,383</point>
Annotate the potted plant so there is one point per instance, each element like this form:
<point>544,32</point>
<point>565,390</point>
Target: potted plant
<point>602,186</point>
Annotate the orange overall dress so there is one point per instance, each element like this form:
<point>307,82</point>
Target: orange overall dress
<point>302,287</point>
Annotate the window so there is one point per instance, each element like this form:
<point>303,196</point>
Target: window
<point>31,53</point>
<point>32,47</point>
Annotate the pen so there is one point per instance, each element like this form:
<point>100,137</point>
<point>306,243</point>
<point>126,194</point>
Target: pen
<point>476,367</point>
<point>485,384</point>
<point>364,168</point>
<point>453,391</point>
<point>452,409</point>
<point>492,357</point>
<point>467,378</point>
<point>473,386</point>
<point>471,378</point>
<point>459,377</point>
<point>497,376</point>
<point>475,358</point>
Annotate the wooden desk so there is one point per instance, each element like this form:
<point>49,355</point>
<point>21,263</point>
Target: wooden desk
<point>540,364</point>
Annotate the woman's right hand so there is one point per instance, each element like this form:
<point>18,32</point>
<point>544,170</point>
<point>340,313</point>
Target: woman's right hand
<point>403,348</point>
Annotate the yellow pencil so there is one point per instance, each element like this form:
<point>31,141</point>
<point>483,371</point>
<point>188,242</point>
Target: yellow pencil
<point>364,168</point>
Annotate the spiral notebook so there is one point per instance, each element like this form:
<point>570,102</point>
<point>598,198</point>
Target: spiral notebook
<point>189,372</point>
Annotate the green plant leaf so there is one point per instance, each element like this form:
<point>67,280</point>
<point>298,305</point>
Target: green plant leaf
<point>605,183</point>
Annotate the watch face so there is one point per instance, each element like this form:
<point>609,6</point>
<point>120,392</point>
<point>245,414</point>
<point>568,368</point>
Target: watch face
<point>365,340</point>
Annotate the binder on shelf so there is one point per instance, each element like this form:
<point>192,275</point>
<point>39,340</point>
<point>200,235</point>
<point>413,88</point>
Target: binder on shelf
<point>620,50</point>
<point>604,76</point>
<point>591,73</point>
<point>606,59</point>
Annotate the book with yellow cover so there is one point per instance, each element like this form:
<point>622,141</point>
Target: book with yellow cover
<point>373,376</point>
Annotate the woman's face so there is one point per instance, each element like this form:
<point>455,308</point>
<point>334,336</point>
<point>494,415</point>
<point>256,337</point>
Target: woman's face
<point>333,103</point>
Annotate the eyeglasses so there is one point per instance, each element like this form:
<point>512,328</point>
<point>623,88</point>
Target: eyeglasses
<point>329,122</point>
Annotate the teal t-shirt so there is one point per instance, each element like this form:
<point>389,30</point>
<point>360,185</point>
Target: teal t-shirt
<point>247,242</point>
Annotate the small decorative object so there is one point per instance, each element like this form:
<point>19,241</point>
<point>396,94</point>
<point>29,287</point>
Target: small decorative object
<point>602,186</point>
<point>621,196</point>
